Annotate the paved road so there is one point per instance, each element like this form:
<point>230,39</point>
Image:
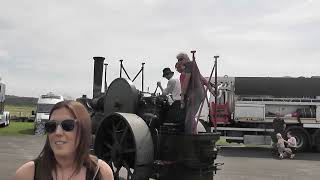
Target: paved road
<point>241,163</point>
<point>244,163</point>
<point>14,151</point>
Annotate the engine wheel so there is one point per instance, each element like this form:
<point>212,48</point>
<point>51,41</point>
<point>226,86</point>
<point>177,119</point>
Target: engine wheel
<point>301,136</point>
<point>124,141</point>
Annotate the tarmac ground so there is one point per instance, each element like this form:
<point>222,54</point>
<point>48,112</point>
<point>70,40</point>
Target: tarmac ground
<point>257,163</point>
<point>240,163</point>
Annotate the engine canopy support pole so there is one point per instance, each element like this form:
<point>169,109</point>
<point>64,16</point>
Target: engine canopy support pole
<point>135,77</point>
<point>205,92</point>
<point>121,66</point>
<point>105,78</point>
<point>216,91</point>
<point>142,79</point>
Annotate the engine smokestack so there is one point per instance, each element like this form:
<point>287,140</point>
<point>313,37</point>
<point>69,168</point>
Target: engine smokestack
<point>97,76</point>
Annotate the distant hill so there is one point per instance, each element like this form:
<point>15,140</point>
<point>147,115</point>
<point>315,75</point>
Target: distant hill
<point>21,101</point>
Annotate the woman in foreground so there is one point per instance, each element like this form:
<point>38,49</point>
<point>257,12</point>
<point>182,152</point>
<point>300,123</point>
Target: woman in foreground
<point>66,153</point>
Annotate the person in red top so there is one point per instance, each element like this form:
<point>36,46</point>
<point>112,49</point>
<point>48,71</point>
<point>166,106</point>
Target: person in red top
<point>180,68</point>
<point>192,90</point>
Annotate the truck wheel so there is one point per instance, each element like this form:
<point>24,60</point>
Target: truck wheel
<point>316,140</point>
<point>302,137</point>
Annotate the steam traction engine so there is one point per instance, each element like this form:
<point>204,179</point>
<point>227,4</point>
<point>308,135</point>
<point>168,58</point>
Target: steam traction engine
<point>133,135</point>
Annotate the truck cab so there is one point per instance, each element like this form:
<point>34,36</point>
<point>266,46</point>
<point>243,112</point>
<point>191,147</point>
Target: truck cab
<point>44,106</point>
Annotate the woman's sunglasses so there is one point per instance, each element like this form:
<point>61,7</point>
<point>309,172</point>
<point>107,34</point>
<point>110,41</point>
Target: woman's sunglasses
<point>67,125</point>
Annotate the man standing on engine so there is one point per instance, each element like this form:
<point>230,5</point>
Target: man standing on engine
<point>192,91</point>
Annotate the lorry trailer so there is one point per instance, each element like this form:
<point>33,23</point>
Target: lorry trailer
<point>247,106</point>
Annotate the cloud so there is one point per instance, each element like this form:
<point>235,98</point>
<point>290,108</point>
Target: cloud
<point>4,54</point>
<point>49,45</point>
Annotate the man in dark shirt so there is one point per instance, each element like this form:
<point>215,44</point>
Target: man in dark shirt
<point>279,126</point>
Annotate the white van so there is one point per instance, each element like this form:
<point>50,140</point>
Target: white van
<point>44,106</point>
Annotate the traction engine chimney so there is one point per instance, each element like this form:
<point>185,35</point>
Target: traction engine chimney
<point>97,76</point>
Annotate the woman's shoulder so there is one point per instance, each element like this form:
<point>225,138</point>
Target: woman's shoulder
<point>105,170</point>
<point>25,172</point>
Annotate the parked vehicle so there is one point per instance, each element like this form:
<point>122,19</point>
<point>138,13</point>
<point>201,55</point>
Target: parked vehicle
<point>246,107</point>
<point>4,115</point>
<point>44,105</point>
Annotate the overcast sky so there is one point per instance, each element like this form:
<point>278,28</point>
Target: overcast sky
<point>48,45</point>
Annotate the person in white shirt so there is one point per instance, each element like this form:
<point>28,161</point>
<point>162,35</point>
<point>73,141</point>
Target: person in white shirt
<point>291,143</point>
<point>173,90</point>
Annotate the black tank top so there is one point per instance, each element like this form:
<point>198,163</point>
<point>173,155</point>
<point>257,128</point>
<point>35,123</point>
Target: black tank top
<point>89,173</point>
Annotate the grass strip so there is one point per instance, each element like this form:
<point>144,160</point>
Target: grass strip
<point>17,129</point>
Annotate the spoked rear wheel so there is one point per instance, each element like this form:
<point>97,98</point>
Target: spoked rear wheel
<point>124,141</point>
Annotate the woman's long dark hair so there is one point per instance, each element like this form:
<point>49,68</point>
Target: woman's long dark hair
<point>46,159</point>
